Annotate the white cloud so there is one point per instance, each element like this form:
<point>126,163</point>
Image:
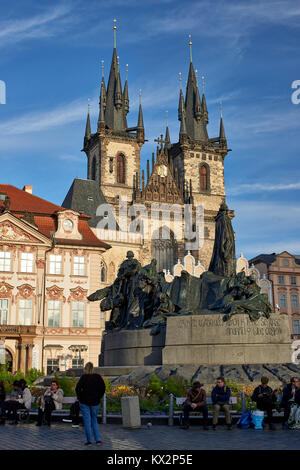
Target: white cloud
<point>41,25</point>
<point>261,187</point>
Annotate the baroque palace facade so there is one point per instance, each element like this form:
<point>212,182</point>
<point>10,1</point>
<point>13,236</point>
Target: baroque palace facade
<point>188,172</point>
<point>49,260</point>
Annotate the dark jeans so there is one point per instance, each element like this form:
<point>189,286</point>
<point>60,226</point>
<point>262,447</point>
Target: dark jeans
<point>11,407</point>
<point>74,412</point>
<point>266,404</point>
<point>188,408</point>
<point>49,407</point>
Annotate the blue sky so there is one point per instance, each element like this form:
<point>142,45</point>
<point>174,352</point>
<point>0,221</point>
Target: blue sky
<point>50,55</point>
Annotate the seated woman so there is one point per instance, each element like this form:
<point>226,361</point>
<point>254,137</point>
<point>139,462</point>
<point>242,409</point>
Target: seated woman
<point>294,418</point>
<point>52,400</point>
<point>2,401</point>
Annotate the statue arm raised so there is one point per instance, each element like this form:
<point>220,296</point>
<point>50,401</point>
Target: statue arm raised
<point>99,294</point>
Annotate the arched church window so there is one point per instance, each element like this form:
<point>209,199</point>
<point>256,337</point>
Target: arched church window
<point>121,168</point>
<point>204,178</point>
<point>103,274</point>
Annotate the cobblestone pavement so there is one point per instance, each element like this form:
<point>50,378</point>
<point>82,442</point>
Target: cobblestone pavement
<point>159,437</point>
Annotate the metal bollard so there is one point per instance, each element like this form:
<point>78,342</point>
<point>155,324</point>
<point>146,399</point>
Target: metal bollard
<point>104,409</point>
<point>244,406</point>
<point>171,410</point>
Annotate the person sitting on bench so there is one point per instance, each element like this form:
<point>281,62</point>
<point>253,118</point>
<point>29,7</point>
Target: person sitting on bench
<point>52,400</point>
<point>220,397</point>
<point>195,401</point>
<point>265,400</point>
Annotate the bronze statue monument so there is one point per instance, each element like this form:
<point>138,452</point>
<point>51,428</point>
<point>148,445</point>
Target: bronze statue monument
<point>140,297</point>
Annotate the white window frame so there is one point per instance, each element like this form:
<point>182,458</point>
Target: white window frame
<point>281,296</point>
<point>54,307</point>
<point>5,261</point>
<point>79,266</point>
<point>297,322</point>
<point>78,311</point>
<point>55,264</point>
<point>27,260</point>
<point>25,311</point>
<point>5,309</point>
<point>296,298</point>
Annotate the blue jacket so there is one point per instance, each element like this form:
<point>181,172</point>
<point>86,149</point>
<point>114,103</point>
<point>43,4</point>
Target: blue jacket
<point>220,394</point>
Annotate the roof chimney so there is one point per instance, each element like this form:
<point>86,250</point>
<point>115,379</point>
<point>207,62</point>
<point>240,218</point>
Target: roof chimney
<point>28,189</point>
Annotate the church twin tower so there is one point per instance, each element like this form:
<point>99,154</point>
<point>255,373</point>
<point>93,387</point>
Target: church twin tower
<point>188,171</point>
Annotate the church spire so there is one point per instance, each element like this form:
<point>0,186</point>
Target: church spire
<point>195,122</point>
<point>115,116</point>
<point>167,136</point>
<point>125,94</point>
<point>102,102</point>
<point>222,136</point>
<point>140,124</point>
<point>88,124</point>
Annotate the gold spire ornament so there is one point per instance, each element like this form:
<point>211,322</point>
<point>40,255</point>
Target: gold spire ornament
<point>102,67</point>
<point>115,33</point>
<point>190,45</point>
<point>203,83</point>
<point>126,71</point>
<point>167,118</point>
<point>221,109</point>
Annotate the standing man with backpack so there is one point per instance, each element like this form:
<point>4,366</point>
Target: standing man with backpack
<point>90,389</point>
<point>220,396</point>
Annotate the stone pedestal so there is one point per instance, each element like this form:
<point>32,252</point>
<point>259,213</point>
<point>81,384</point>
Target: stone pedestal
<point>203,340</point>
<point>133,348</point>
<point>207,339</point>
<point>131,416</point>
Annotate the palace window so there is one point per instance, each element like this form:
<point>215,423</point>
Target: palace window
<point>5,260</point>
<point>285,262</point>
<point>54,313</point>
<point>121,169</point>
<point>296,327</point>
<point>103,276</point>
<point>25,312</point>
<point>79,266</point>
<point>293,280</point>
<point>78,314</point>
<point>280,279</point>
<point>52,366</point>
<point>55,264</point>
<point>102,319</point>
<point>3,311</point>
<point>294,300</point>
<point>77,363</point>
<point>26,262</point>
<point>282,300</point>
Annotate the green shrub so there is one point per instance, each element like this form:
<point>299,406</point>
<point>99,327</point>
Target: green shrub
<point>176,385</point>
<point>67,384</point>
<point>155,386</point>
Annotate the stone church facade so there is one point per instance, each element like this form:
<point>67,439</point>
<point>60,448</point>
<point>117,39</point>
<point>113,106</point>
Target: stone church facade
<point>187,172</point>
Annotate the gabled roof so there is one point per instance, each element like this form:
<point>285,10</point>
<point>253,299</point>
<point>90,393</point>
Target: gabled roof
<point>45,216</point>
<point>263,258</point>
